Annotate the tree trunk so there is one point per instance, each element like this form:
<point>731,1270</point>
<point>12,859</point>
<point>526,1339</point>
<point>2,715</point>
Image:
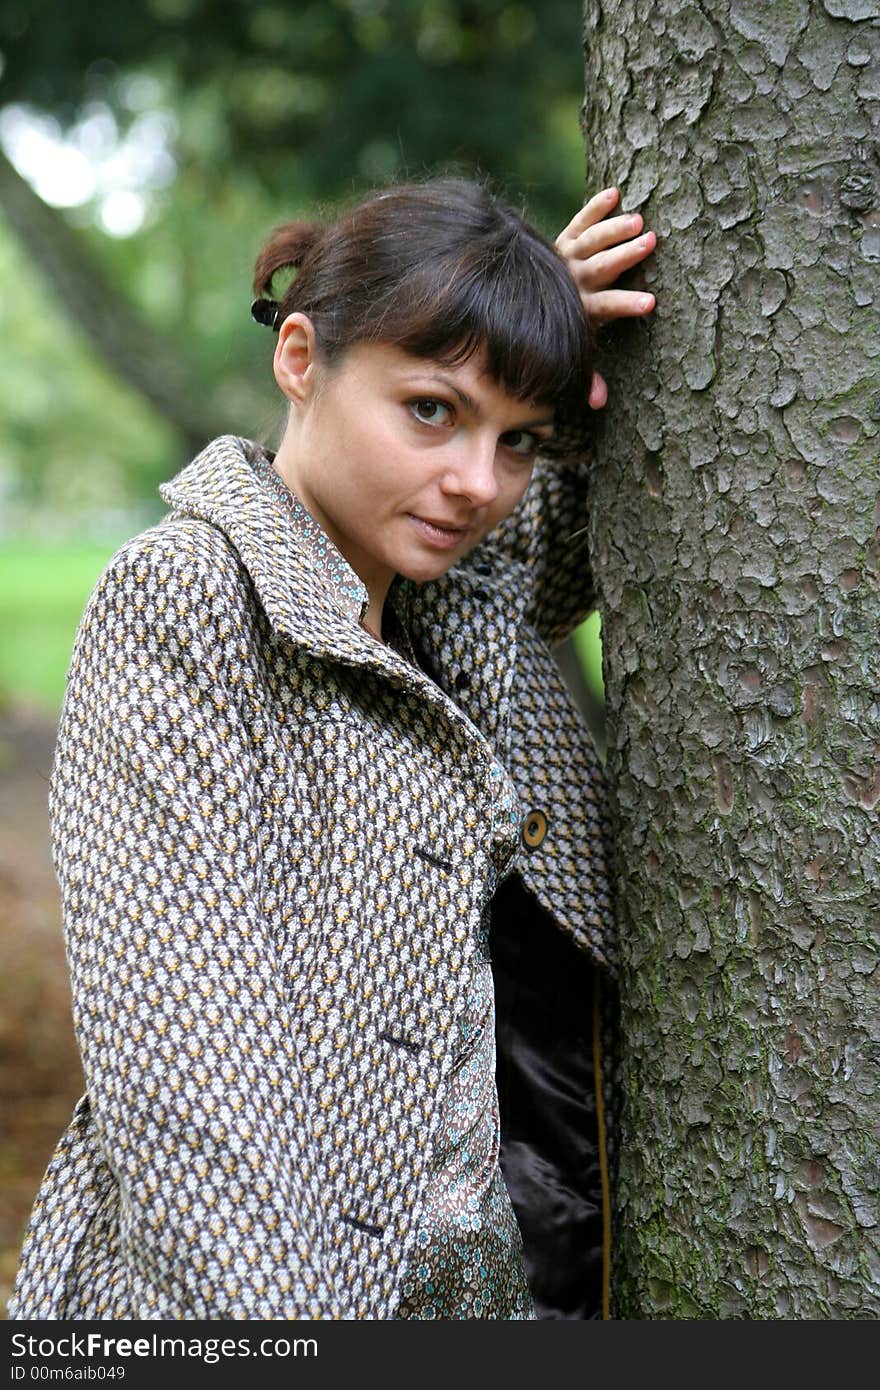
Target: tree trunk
<point>736,536</point>
<point>133,351</point>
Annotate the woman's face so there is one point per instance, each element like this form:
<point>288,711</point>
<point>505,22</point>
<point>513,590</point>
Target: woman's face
<point>405,462</point>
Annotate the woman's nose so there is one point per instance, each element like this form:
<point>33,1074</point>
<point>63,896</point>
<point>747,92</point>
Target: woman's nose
<point>472,473</point>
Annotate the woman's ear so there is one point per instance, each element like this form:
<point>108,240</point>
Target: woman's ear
<point>296,355</point>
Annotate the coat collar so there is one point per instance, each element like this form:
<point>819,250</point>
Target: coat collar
<point>309,592</point>
<point>281,549</point>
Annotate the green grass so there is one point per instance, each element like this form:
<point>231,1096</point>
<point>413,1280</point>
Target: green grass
<point>43,591</point>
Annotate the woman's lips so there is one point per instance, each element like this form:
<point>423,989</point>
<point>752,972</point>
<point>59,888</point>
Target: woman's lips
<point>438,534</point>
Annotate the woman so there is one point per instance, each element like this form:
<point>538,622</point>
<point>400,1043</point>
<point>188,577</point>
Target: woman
<point>311,722</point>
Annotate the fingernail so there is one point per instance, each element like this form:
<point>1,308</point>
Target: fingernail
<point>646,301</point>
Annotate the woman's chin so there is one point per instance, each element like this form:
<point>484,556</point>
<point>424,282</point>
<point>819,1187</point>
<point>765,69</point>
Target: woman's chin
<point>426,564</point>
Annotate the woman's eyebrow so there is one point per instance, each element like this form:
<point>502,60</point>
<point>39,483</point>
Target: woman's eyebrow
<point>473,406</point>
<point>437,379</point>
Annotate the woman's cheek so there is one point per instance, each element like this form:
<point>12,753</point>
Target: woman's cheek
<point>514,493</point>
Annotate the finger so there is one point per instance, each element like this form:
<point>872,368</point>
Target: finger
<point>617,304</point>
<point>598,392</point>
<point>611,231</point>
<point>605,267</point>
<point>598,207</point>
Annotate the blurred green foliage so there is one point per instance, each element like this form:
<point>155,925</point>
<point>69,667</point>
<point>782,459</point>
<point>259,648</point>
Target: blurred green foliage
<point>321,97</point>
<point>588,645</point>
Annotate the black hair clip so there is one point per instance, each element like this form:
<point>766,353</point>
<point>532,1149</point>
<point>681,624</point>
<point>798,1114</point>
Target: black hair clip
<point>266,312</point>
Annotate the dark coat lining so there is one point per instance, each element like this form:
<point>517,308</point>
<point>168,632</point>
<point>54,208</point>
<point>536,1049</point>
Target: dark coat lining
<point>549,1135</point>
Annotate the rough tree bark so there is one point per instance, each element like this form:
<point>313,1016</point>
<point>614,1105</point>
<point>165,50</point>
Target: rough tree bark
<point>736,534</point>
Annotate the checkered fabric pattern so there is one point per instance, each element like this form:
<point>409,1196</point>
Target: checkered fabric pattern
<point>272,838</point>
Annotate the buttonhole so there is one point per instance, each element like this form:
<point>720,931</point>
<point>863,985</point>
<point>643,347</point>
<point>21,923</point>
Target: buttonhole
<point>434,859</point>
<point>462,681</point>
<point>364,1226</point>
<point>401,1042</point>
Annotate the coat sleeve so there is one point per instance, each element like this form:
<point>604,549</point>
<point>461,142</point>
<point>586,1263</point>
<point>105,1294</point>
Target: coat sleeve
<point>178,1005</point>
<point>547,533</point>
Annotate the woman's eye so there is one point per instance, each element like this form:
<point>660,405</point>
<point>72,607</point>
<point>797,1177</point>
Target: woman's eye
<point>520,441</point>
<point>430,412</point>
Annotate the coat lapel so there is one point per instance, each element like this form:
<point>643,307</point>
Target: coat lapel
<point>466,624</point>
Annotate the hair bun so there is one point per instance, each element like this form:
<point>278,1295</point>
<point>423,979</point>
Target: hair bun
<point>286,249</point>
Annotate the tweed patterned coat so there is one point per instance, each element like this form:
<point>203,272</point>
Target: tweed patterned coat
<point>270,837</point>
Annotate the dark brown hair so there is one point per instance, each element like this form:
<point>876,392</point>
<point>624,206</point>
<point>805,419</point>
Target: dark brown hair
<point>441,269</point>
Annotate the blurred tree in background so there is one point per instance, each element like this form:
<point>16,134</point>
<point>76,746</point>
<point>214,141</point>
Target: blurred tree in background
<point>148,149</point>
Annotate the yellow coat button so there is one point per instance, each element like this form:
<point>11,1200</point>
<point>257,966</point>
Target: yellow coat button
<point>534,829</point>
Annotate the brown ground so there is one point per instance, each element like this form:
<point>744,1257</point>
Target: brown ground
<point>40,1076</point>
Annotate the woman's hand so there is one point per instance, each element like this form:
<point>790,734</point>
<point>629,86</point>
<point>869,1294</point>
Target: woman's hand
<point>597,250</point>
